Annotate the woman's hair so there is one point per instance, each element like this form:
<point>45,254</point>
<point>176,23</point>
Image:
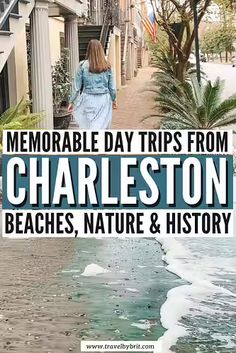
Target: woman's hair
<point>96,57</point>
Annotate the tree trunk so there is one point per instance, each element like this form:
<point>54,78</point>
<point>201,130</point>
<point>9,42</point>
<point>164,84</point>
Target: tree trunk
<point>171,48</point>
<point>220,57</point>
<point>226,56</point>
<point>182,70</point>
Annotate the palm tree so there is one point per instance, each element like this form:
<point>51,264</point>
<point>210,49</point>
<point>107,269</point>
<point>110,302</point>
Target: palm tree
<point>189,105</point>
<point>165,63</point>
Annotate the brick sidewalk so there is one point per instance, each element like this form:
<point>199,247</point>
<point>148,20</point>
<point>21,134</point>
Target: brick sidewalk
<point>134,103</point>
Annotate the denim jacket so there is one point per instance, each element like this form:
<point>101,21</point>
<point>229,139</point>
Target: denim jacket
<point>93,83</point>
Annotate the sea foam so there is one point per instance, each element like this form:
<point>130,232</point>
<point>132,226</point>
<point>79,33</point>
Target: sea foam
<point>201,274</point>
<point>94,270</point>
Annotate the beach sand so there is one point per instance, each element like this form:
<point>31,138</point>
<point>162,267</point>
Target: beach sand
<point>38,312</point>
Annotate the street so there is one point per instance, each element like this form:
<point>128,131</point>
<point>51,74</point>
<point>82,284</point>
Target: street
<point>225,72</point>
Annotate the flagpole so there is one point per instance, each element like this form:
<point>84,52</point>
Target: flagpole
<point>145,26</point>
<point>153,9</point>
<point>196,37</point>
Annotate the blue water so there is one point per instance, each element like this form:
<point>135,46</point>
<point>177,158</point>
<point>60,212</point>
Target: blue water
<point>124,303</point>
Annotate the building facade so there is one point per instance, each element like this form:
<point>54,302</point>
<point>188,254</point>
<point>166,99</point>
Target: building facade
<point>133,49</point>
<point>33,34</point>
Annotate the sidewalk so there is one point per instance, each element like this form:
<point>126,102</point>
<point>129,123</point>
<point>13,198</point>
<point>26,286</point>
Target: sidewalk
<point>134,103</point>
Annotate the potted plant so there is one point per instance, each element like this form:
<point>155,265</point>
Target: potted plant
<point>61,92</point>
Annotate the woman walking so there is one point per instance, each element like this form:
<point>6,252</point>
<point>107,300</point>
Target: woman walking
<point>94,93</point>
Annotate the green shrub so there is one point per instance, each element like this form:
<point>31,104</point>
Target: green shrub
<point>19,118</point>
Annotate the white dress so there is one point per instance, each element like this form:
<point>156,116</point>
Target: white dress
<point>93,111</point>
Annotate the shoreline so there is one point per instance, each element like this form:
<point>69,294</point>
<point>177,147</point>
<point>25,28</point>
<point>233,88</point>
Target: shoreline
<point>40,305</point>
<point>43,303</point>
<point>120,288</point>
<point>47,297</point>
<point>174,330</point>
<point>37,264</point>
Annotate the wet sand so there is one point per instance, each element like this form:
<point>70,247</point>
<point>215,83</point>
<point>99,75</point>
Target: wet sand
<point>38,310</point>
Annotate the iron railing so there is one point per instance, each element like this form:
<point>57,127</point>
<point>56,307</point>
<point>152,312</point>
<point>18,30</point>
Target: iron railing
<point>107,21</point>
<point>6,6</point>
<point>115,13</point>
<point>111,17</point>
<point>111,6</point>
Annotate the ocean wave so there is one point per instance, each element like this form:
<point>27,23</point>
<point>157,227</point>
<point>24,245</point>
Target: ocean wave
<point>202,284</point>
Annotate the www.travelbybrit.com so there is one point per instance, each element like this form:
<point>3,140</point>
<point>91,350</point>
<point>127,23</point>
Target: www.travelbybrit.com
<point>120,346</point>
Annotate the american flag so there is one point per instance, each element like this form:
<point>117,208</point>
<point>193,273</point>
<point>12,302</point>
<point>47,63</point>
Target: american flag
<point>149,23</point>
